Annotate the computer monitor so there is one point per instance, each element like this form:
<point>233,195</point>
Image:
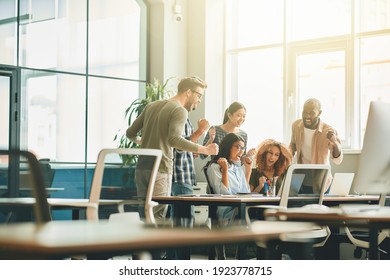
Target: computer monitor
<point>373,172</point>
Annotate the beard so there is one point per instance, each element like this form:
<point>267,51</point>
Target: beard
<point>190,107</point>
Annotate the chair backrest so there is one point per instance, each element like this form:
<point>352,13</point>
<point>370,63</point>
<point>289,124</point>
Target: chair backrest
<point>35,178</point>
<point>209,189</point>
<point>129,182</point>
<point>312,178</point>
<point>47,171</point>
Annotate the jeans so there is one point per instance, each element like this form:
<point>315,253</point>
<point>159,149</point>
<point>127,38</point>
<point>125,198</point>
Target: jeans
<point>178,189</point>
<point>182,188</point>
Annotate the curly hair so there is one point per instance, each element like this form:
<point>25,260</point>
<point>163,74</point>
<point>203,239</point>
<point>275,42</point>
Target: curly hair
<point>283,162</point>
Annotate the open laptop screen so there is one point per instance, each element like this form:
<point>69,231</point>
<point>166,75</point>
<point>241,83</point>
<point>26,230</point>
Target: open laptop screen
<point>305,180</point>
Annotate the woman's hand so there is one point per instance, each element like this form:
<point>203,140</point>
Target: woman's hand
<point>223,163</point>
<point>262,180</point>
<point>248,162</point>
<point>224,166</point>
<point>212,133</point>
<point>249,155</point>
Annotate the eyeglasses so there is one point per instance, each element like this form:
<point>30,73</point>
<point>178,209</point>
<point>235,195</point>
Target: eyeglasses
<point>198,93</point>
<point>239,147</point>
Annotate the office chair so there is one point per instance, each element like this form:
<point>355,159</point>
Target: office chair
<point>209,189</point>
<point>108,166</point>
<point>141,192</point>
<point>47,171</point>
<point>359,237</point>
<point>319,173</point>
<point>212,213</point>
<point>145,178</point>
<point>37,183</point>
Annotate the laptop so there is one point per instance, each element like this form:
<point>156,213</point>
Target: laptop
<point>341,184</point>
<point>296,184</point>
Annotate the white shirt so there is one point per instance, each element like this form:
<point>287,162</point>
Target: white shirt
<point>306,145</point>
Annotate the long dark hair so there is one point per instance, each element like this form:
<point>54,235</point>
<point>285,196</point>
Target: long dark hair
<point>226,145</point>
<point>234,107</point>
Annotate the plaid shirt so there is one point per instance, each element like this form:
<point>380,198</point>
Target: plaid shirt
<point>183,165</point>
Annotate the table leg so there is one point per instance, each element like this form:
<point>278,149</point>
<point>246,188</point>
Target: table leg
<point>241,249</point>
<point>373,235</point>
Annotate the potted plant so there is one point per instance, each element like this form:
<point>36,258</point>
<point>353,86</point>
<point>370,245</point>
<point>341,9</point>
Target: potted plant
<point>153,91</point>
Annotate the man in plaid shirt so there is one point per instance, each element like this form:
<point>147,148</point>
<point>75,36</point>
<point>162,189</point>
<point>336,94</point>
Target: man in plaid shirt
<point>184,176</point>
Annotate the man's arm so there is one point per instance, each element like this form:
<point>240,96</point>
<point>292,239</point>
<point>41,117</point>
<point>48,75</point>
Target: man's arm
<point>211,149</point>
<point>135,127</point>
<point>203,126</point>
<point>248,162</point>
<point>176,139</point>
<point>334,142</point>
<point>292,147</point>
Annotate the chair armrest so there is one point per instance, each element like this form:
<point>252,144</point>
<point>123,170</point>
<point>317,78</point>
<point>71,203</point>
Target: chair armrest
<point>148,207</point>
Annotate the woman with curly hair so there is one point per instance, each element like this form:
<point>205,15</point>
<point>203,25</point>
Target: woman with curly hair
<point>272,160</point>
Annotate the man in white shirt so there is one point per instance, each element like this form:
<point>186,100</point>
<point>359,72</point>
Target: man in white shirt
<point>312,140</point>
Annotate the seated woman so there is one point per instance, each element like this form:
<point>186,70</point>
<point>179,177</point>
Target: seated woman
<point>272,160</point>
<point>227,174</point>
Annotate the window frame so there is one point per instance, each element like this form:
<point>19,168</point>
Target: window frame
<point>350,43</point>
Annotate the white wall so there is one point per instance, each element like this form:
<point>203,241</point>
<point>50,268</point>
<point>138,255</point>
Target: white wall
<point>188,48</point>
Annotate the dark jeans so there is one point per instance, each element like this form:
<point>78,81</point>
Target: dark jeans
<point>178,189</point>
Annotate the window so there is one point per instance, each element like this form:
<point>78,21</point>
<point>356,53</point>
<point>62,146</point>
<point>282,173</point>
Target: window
<point>106,111</point>
<point>260,89</point>
<point>115,39</point>
<point>4,110</point>
<point>82,65</point>
<point>79,64</point>
<point>335,50</point>
<point>307,19</point>
<point>325,65</point>
<point>8,43</point>
<point>54,35</point>
<point>53,123</point>
<point>374,72</point>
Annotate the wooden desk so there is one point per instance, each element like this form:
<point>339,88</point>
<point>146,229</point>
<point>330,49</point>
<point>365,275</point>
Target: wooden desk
<point>182,204</point>
<point>374,220</point>
<point>60,239</point>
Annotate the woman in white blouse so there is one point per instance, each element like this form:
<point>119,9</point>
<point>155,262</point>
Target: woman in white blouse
<point>228,174</point>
